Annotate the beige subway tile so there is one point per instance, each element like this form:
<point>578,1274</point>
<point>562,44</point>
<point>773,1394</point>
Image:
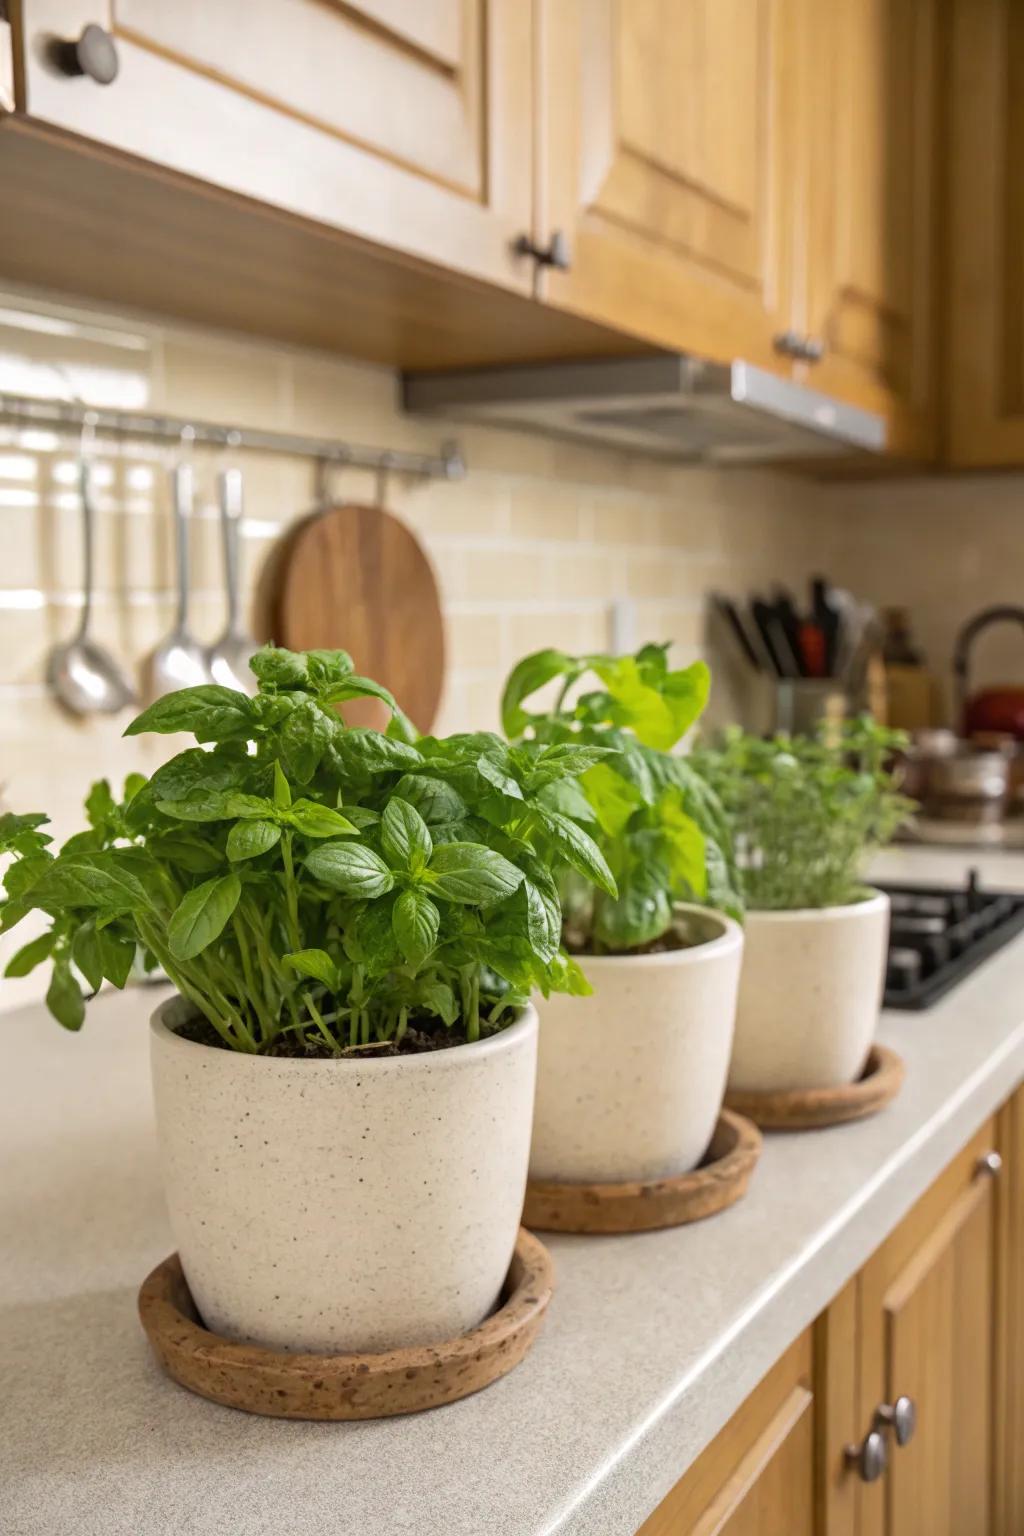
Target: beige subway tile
<point>542,512</point>
<point>25,639</point>
<point>496,574</point>
<point>653,576</point>
<point>21,554</point>
<point>477,507</point>
<point>222,381</point>
<point>625,520</point>
<point>474,640</point>
<point>585,575</point>
<point>481,703</point>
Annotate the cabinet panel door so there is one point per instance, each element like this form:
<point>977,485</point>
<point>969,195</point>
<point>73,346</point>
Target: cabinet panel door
<point>871,134</point>
<point>404,124</point>
<point>928,1308</point>
<point>664,157</point>
<point>757,1477</point>
<point>986,234</point>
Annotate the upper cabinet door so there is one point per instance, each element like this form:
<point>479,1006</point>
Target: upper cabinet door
<point>986,234</point>
<point>665,159</point>
<point>404,124</point>
<point>870,127</point>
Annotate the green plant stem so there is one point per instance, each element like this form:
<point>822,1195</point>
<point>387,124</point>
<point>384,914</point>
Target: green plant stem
<point>291,892</point>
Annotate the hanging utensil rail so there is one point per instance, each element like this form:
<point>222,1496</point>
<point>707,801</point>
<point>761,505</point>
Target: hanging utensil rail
<point>65,415</point>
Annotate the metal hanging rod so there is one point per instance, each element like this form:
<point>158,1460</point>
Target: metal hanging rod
<point>66,415</point>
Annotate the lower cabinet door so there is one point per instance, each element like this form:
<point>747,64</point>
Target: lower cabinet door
<point>757,1477</point>
<point>927,1314</point>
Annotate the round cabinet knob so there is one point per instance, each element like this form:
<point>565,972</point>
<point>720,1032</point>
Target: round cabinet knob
<point>869,1459</point>
<point>93,54</point>
<point>989,1166</point>
<point>812,349</point>
<point>900,1417</point>
<point>788,344</point>
<point>554,254</point>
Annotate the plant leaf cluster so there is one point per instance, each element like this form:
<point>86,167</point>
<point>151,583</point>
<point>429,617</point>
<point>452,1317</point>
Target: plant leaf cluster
<point>294,875</point>
<point>805,812</point>
<point>659,827</point>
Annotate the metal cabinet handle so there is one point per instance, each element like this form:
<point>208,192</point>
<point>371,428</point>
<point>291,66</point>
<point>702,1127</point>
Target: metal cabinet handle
<point>989,1166</point>
<point>805,349</point>
<point>554,254</point>
<point>900,1417</point>
<point>869,1459</point>
<point>93,53</point>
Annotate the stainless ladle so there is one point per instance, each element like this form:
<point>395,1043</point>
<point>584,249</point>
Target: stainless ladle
<point>179,661</point>
<point>82,674</point>
<point>228,656</point>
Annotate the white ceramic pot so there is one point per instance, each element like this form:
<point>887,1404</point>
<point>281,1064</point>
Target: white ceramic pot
<point>344,1205</point>
<point>810,992</point>
<point>630,1080</point>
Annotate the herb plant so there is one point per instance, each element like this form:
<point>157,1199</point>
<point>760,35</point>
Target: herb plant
<point>310,885</point>
<point>658,825</point>
<point>805,811</point>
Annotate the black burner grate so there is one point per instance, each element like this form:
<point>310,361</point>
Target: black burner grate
<point>939,934</point>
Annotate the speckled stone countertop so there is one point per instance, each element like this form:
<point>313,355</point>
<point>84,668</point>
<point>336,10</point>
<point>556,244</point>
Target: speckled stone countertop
<point>651,1344</point>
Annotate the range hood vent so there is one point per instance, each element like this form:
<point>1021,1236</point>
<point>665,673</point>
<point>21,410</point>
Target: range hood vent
<point>671,407</point>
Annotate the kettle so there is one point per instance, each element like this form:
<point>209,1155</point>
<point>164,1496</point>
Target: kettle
<point>992,709</point>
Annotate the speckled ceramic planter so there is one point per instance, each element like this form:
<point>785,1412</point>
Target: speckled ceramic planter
<point>630,1080</point>
<point>337,1206</point>
<point>810,992</point>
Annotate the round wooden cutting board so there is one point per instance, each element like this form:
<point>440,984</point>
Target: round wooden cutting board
<point>356,577</point>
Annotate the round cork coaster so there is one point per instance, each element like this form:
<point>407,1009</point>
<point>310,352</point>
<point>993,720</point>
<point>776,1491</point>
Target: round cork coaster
<point>646,1205</point>
<point>810,1109</point>
<point>358,1386</point>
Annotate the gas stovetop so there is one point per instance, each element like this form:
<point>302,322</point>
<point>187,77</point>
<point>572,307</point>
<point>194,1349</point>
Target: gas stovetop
<point>939,934</point>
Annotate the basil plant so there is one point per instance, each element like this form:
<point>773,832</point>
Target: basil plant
<point>311,886</point>
<point>659,826</point>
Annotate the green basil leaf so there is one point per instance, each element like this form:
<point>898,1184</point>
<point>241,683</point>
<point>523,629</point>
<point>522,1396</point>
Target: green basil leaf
<point>282,790</point>
<point>304,740</point>
<point>525,678</point>
<point>636,917</point>
<point>202,915</point>
<point>118,956</point>
<point>99,804</point>
<point>88,955</point>
<point>12,826</point>
<point>359,751</point>
<point>64,997</point>
<point>132,784</point>
<point>84,842</point>
<point>210,711</point>
<point>492,769</point>
<point>248,839</point>
<point>201,805</point>
<point>404,836</point>
<point>186,851</point>
<point>438,998</point>
<point>326,667</point>
<point>543,919</point>
<point>613,799</point>
<point>563,760</point>
<point>416,922</point>
<point>473,875</point>
<point>579,849</point>
<point>314,820</point>
<point>355,687</point>
<point>566,795</point>
<point>30,955</point>
<point>317,964</point>
<point>102,880</point>
<point>278,668</point>
<point>351,868</point>
<point>436,800</point>
<point>21,876</point>
<point>566,975</point>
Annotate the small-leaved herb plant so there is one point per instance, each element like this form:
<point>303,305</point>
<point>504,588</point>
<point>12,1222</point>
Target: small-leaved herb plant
<point>805,811</point>
<point>659,827</point>
<point>311,886</point>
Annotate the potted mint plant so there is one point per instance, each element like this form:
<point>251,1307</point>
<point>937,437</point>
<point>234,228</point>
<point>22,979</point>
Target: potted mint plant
<point>630,1081</point>
<point>804,814</point>
<point>354,923</point>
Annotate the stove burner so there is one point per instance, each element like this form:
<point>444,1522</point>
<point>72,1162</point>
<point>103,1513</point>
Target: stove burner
<point>938,935</point>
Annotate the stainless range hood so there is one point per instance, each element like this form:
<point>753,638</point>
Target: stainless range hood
<point>671,407</point>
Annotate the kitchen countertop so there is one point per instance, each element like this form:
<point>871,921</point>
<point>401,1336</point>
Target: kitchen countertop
<point>651,1344</point>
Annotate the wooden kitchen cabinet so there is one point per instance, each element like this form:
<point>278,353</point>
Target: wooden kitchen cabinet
<point>666,158</point>
<point>757,1477</point>
<point>985,293</point>
<point>935,1315</point>
<point>406,125</point>
<point>928,1315</point>
<point>870,103</point>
